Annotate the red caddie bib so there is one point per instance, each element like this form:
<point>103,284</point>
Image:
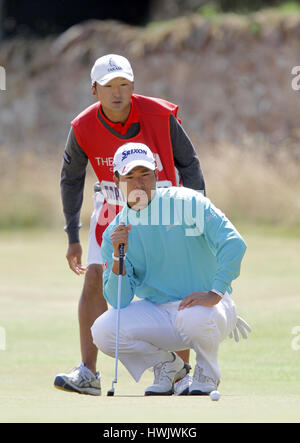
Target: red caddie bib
<point>100,145</point>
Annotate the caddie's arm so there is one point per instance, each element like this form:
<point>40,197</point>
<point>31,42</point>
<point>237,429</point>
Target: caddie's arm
<point>72,184</point>
<point>185,157</point>
<point>73,173</point>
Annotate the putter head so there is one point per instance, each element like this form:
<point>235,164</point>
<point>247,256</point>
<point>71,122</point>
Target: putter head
<point>111,392</point>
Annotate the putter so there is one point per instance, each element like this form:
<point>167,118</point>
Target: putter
<point>111,392</point>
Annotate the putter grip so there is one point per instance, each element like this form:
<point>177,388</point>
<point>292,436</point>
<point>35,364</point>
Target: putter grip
<point>121,254</point>
<point>121,258</point>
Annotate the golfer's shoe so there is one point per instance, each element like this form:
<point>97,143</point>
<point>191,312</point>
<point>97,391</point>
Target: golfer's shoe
<point>201,384</point>
<point>165,374</point>
<point>183,372</point>
<point>80,379</point>
<point>182,387</point>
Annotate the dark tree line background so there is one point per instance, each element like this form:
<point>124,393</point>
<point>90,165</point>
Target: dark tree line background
<point>44,17</point>
<point>247,5</point>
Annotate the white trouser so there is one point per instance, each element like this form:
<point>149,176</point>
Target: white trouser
<point>94,250</point>
<point>148,331</point>
<point>103,214</point>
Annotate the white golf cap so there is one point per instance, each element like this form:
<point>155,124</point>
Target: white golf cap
<point>131,155</point>
<point>111,66</point>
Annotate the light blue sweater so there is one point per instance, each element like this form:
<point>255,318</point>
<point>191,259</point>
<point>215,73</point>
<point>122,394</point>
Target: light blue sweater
<point>179,244</point>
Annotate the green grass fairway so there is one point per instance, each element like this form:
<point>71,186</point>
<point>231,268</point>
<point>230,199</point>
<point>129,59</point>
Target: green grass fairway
<point>38,310</point>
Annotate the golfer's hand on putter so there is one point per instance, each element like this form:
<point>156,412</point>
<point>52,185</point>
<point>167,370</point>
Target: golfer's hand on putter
<point>74,254</point>
<point>119,236</point>
<point>203,298</point>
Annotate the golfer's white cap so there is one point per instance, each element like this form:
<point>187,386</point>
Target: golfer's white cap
<point>131,155</point>
<point>111,66</point>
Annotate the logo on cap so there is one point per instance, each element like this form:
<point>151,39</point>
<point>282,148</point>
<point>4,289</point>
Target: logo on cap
<point>113,66</point>
<point>132,151</point>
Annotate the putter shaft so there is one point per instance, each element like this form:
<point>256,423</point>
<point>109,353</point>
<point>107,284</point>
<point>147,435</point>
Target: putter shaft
<point>121,260</point>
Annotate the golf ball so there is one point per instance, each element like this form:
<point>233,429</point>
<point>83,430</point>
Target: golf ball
<point>215,395</point>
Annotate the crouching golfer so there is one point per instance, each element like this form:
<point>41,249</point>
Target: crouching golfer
<point>182,254</point>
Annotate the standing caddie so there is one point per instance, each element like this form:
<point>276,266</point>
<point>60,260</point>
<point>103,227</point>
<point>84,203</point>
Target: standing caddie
<point>117,117</point>
<point>181,255</point>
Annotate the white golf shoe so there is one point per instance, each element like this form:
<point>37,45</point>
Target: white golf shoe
<point>201,384</point>
<point>165,374</point>
<point>80,379</point>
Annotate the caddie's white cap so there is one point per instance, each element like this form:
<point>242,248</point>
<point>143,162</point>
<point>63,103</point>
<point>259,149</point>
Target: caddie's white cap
<point>131,155</point>
<point>111,66</point>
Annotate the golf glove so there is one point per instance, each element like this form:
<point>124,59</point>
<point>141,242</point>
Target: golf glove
<point>241,328</point>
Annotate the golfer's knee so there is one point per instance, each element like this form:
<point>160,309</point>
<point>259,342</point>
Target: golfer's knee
<point>196,323</point>
<point>103,333</point>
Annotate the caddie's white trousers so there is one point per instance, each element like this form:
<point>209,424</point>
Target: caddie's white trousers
<point>103,214</point>
<point>94,249</point>
<point>148,331</point>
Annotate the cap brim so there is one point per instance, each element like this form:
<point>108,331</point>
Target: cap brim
<point>107,78</point>
<point>130,166</point>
